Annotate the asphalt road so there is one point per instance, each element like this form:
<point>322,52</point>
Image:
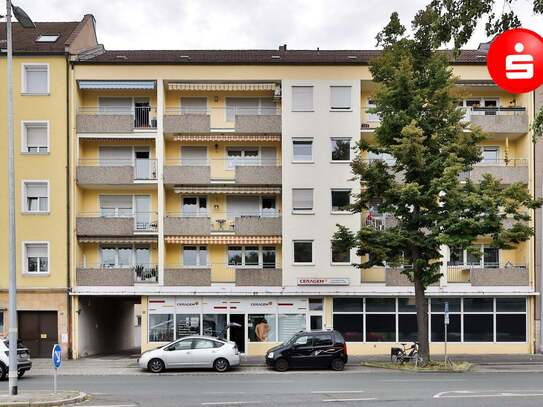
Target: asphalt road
<point>324,388</point>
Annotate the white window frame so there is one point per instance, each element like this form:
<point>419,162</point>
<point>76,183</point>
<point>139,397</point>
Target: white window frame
<point>23,78</point>
<point>24,258</point>
<point>342,108</point>
<point>338,263</point>
<point>303,211</point>
<point>309,109</point>
<point>198,250</point>
<point>337,212</point>
<point>303,139</point>
<point>24,138</point>
<point>332,139</point>
<point>481,263</point>
<point>24,196</point>
<point>498,155</point>
<point>312,262</point>
<point>260,264</point>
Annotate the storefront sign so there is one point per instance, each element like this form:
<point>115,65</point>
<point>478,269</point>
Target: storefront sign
<point>323,281</point>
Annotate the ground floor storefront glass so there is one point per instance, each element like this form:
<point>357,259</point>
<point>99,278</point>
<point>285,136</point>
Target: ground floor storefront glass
<point>479,319</point>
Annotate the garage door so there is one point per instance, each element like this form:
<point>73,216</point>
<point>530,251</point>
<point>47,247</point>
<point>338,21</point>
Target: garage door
<point>38,330</point>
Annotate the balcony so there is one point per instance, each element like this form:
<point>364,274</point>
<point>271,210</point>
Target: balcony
<point>178,275</point>
<point>489,275</point>
<point>252,171</point>
<point>116,224</point>
<point>96,119</point>
<point>271,277</point>
<point>115,171</point>
<point>380,221</point>
<point>227,119</point>
<point>260,223</point>
<point>508,171</point>
<point>108,275</point>
<point>507,121</point>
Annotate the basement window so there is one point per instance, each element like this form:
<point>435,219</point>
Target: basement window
<point>48,38</point>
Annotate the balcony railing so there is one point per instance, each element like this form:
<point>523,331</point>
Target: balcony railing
<point>493,111</point>
<point>107,274</point>
<point>116,170</point>
<point>102,119</point>
<point>488,273</point>
<point>109,218</point>
<point>507,170</point>
<point>381,221</point>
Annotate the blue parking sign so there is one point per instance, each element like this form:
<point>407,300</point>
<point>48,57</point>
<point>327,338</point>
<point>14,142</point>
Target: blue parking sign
<point>56,356</point>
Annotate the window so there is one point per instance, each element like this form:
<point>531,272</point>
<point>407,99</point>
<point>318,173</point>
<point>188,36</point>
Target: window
<point>348,304</point>
<point>303,251</point>
<point>489,257</point>
<point>194,256</point>
<point>491,155</point>
<point>268,257</point>
<point>185,344</point>
<point>242,156</point>
<point>116,156</point>
<point>48,38</point>
<point>251,256</point>
<point>116,105</point>
<point>116,205</point>
<point>339,254</point>
<point>186,325</point>
<point>302,150</point>
<point>262,327</point>
<point>302,199</point>
<point>302,98</point>
<point>35,137</point>
<point>288,325</point>
<point>340,97</point>
<point>323,340</point>
<point>35,79</point>
<point>249,106</point>
<point>196,105</point>
<point>341,200</point>
<point>36,196</point>
<point>194,206</point>
<point>341,149</point>
<point>116,256</point>
<point>160,327</point>
<point>194,156</point>
<point>213,324</point>
<point>36,257</point>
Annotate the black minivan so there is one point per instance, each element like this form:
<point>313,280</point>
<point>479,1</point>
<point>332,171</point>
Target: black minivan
<point>317,349</point>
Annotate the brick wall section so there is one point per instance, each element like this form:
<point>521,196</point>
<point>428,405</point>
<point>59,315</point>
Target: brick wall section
<point>99,175</point>
<point>96,226</point>
<point>258,123</point>
<point>187,123</point>
<point>258,175</point>
<point>186,175</point>
<point>105,277</point>
<point>258,277</point>
<point>187,277</point>
<point>187,226</point>
<point>499,277</point>
<point>100,123</point>
<point>257,226</point>
<point>513,124</point>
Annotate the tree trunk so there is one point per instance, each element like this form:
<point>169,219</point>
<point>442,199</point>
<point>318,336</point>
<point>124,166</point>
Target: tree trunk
<point>422,320</point>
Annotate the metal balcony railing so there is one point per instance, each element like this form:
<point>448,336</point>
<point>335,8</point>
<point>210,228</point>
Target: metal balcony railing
<point>144,117</point>
<point>144,168</point>
<point>227,163</point>
<point>493,111</point>
<point>143,221</point>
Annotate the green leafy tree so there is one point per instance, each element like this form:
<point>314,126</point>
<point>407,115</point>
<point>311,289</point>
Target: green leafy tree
<point>423,130</point>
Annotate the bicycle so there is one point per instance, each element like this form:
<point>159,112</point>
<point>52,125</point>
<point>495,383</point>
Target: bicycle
<point>405,355</point>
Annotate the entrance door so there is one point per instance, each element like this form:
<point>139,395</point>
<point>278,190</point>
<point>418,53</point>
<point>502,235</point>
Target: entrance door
<point>142,109</point>
<point>38,330</point>
<point>143,164</point>
<point>237,335</point>
<point>143,212</point>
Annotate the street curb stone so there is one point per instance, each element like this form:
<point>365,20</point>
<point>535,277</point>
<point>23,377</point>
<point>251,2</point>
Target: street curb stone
<point>70,398</point>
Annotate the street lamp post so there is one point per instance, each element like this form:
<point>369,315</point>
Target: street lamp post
<point>26,22</point>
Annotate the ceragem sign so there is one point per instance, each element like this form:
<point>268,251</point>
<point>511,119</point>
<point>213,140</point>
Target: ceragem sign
<point>515,60</point>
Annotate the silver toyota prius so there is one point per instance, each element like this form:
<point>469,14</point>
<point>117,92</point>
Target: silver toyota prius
<point>192,352</point>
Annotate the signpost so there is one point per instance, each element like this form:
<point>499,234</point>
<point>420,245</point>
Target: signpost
<point>57,361</point>
<point>446,325</point>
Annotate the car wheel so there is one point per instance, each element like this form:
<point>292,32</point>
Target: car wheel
<point>3,371</point>
<point>281,365</point>
<point>221,365</point>
<point>155,365</point>
<point>337,364</point>
<point>20,374</point>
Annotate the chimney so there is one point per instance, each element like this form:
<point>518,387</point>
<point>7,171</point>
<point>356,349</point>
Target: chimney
<point>283,47</point>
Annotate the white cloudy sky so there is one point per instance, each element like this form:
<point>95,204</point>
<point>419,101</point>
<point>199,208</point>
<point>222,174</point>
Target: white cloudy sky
<point>227,24</point>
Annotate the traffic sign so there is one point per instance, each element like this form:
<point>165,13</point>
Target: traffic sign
<point>56,356</point>
<point>446,313</point>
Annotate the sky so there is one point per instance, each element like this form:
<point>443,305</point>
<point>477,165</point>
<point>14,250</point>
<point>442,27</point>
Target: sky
<point>245,24</point>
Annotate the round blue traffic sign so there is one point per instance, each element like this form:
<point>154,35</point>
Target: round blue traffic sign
<point>56,356</point>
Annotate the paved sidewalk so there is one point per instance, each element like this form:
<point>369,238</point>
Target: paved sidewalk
<point>42,398</point>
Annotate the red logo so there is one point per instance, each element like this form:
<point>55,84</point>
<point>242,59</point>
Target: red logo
<point>515,60</point>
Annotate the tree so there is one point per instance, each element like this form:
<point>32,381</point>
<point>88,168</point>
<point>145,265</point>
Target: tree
<point>423,130</point>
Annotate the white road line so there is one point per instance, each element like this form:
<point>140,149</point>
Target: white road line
<point>345,400</point>
<point>111,405</point>
<point>337,391</point>
<point>473,394</point>
<point>229,403</point>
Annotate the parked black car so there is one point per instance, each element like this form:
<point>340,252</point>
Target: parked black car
<point>317,349</point>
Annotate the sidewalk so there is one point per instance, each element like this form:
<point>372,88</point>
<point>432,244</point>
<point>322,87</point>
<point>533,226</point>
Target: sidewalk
<point>42,398</point>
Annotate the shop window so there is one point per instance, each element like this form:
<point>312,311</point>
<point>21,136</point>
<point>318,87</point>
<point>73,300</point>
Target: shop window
<point>262,327</point>
<point>348,305</point>
<point>407,304</point>
<point>380,304</point>
<point>290,324</point>
<point>214,324</point>
<point>438,328</point>
<point>510,328</point>
<point>160,327</point>
<point>478,328</point>
<point>407,327</point>
<point>510,305</point>
<point>380,328</point>
<point>315,304</point>
<point>350,326</point>
<point>438,304</point>
<point>478,304</point>
<point>186,325</point>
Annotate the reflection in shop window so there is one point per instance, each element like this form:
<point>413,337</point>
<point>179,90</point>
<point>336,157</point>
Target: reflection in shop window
<point>380,328</point>
<point>214,324</point>
<point>262,327</point>
<point>160,327</point>
<point>186,325</point>
<point>290,324</point>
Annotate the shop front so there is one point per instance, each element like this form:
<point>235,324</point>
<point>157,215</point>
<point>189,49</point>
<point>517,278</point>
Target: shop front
<point>263,322</point>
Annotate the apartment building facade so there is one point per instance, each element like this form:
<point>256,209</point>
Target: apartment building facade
<point>40,68</point>
<point>206,186</point>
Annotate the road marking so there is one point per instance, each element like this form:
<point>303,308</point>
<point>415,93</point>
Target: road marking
<point>229,403</point>
<point>111,405</point>
<point>337,391</point>
<point>345,400</point>
<point>473,394</point>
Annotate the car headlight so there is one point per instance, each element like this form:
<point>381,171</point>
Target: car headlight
<point>270,355</point>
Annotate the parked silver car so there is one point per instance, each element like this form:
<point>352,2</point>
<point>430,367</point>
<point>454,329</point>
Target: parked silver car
<point>23,359</point>
<point>192,352</point>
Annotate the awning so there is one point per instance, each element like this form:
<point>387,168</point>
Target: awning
<point>113,240</point>
<point>222,86</point>
<point>223,239</point>
<point>225,189</point>
<point>477,83</point>
<point>229,137</point>
<point>117,84</point>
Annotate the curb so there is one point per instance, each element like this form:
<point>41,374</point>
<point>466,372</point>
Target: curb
<point>377,366</point>
<point>78,398</point>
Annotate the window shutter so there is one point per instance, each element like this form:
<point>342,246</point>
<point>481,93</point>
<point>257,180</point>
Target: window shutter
<point>115,201</point>
<point>115,156</point>
<point>302,199</point>
<point>340,97</point>
<point>242,206</point>
<point>36,79</point>
<point>194,105</point>
<point>36,134</point>
<point>302,98</point>
<point>36,250</point>
<point>194,156</point>
<point>36,190</point>
<point>115,105</point>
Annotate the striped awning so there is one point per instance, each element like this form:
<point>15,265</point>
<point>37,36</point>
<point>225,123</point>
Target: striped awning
<point>113,240</point>
<point>223,239</point>
<point>117,85</point>
<point>228,137</point>
<point>222,86</point>
<point>226,189</point>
